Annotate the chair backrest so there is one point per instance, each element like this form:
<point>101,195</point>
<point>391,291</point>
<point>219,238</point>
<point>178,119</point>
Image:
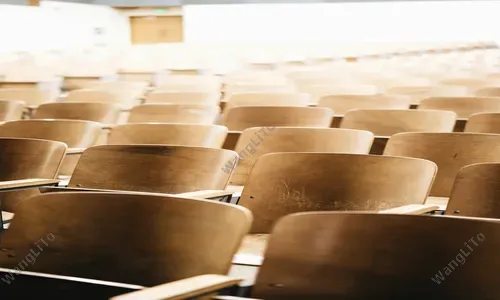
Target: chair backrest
<point>136,239</point>
<point>184,71</point>
<point>476,192</point>
<point>304,82</point>
<point>152,168</point>
<point>341,104</point>
<point>265,99</point>
<point>174,113</point>
<point>261,66</point>
<point>193,98</point>
<point>386,122</point>
<point>473,83</point>
<point>334,255</point>
<point>137,86</point>
<point>92,95</point>
<point>243,117</point>
<point>128,92</point>
<point>258,141</point>
<point>106,113</point>
<point>72,83</point>
<point>483,122</point>
<point>189,83</point>
<point>450,151</point>
<point>25,159</point>
<point>74,133</point>
<point>285,183</point>
<point>232,89</point>
<point>11,110</point>
<point>317,92</point>
<point>127,75</point>
<point>196,135</point>
<point>384,83</point>
<point>268,99</point>
<point>464,107</point>
<point>201,87</point>
<point>488,92</point>
<point>30,96</point>
<point>255,77</point>
<point>418,93</point>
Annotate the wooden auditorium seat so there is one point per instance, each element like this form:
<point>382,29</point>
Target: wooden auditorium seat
<point>129,238</point>
<point>189,83</point>
<point>483,123</point>
<point>450,151</point>
<point>105,113</point>
<point>173,97</point>
<point>30,162</point>
<point>93,95</point>
<point>243,117</point>
<point>464,107</point>
<point>130,93</point>
<point>364,256</point>
<point>317,92</point>
<point>77,82</point>
<point>11,110</point>
<point>32,97</point>
<point>267,99</point>
<point>258,141</point>
<point>341,104</point>
<point>152,168</point>
<point>285,183</point>
<point>174,113</point>
<point>76,134</point>
<point>197,135</point>
<point>488,92</point>
<point>386,122</point>
<point>419,93</point>
<point>137,75</point>
<point>476,192</point>
<point>472,83</point>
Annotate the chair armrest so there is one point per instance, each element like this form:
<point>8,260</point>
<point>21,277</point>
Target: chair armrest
<point>235,189</point>
<point>251,251</point>
<point>7,217</point>
<point>107,126</point>
<point>183,289</point>
<point>209,194</point>
<point>58,189</point>
<point>442,202</point>
<point>31,108</point>
<point>21,184</point>
<point>73,151</point>
<point>411,209</point>
<point>232,298</point>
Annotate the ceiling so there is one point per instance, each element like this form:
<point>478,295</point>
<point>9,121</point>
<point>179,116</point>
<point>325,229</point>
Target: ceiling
<point>143,3</point>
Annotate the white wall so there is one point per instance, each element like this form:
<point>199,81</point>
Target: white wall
<point>70,26</point>
<point>448,21</point>
<point>60,26</point>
